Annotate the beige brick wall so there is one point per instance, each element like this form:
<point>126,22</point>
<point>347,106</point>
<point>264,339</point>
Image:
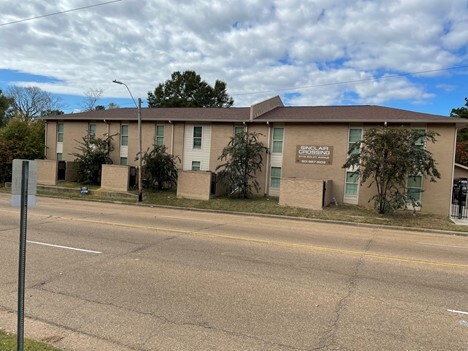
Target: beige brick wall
<point>436,196</point>
<point>115,177</point>
<point>46,172</point>
<point>73,133</point>
<point>194,185</point>
<point>51,140</point>
<point>335,135</point>
<point>301,192</point>
<point>179,132</point>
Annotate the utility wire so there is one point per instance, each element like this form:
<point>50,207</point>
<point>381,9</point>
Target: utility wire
<point>350,81</point>
<point>58,13</point>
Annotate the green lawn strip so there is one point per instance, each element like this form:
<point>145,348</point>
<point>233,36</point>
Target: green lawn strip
<point>8,343</point>
<point>269,205</point>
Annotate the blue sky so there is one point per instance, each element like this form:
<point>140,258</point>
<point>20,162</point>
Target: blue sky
<point>310,52</point>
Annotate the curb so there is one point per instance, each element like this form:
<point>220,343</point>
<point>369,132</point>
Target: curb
<point>263,215</point>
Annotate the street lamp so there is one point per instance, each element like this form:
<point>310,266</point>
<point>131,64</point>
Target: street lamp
<point>140,185</point>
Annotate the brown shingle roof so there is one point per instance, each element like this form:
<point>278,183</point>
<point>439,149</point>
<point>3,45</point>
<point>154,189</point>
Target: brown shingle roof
<point>349,114</point>
<point>306,114</point>
<point>238,114</point>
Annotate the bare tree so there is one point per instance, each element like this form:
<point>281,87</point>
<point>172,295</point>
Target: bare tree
<point>91,97</point>
<point>32,102</point>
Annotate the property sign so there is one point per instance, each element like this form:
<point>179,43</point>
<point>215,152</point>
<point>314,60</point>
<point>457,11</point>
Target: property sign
<point>314,154</point>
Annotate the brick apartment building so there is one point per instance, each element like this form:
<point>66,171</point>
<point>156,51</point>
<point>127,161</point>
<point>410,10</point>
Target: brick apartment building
<point>309,142</point>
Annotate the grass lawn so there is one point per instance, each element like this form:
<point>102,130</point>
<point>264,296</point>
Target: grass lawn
<point>269,205</point>
<point>8,343</point>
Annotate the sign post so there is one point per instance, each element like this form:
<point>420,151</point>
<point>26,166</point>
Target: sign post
<point>24,173</point>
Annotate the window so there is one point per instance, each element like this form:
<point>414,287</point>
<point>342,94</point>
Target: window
<point>123,161</point>
<point>197,137</point>
<point>124,135</point>
<point>195,165</point>
<point>275,177</point>
<point>239,129</point>
<point>59,156</point>
<point>420,142</point>
<point>351,188</point>
<point>354,136</point>
<point>159,134</point>
<point>278,134</point>
<point>92,129</point>
<point>414,187</point>
<point>60,132</point>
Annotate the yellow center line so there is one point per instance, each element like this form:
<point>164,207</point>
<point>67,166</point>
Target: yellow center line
<point>265,242</point>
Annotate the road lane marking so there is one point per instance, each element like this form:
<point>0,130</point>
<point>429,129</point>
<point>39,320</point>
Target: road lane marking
<point>270,242</point>
<point>442,245</point>
<point>281,244</point>
<point>459,312</point>
<point>63,247</point>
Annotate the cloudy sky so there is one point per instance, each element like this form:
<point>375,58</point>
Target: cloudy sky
<point>310,52</point>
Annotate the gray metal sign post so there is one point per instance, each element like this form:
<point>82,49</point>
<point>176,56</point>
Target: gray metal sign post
<point>27,178</point>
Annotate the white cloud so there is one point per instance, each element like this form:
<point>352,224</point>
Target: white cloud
<point>255,46</point>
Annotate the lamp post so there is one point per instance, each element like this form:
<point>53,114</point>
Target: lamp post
<point>138,106</point>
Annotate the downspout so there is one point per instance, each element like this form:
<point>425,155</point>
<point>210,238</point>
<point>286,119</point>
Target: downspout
<point>267,173</point>
<point>108,127</point>
<point>172,137</point>
<point>45,139</point>
<point>453,169</point>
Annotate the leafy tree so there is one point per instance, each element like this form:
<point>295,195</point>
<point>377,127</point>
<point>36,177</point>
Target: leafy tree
<point>461,153</point>
<point>94,152</point>
<point>388,157</point>
<point>52,113</point>
<point>112,105</point>
<point>159,169</point>
<point>187,89</point>
<point>31,102</point>
<point>243,158</point>
<point>5,103</point>
<point>20,138</point>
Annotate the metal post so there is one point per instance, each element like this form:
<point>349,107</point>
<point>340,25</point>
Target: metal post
<point>140,185</point>
<point>22,254</point>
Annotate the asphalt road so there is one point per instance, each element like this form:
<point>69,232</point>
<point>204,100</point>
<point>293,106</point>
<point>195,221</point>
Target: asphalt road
<point>118,277</point>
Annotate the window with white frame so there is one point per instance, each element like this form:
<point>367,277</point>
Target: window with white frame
<point>196,165</point>
<point>355,135</point>
<point>351,185</point>
<point>278,136</point>
<point>124,135</point>
<point>197,137</point>
<point>275,177</point>
<point>92,129</point>
<point>239,130</point>
<point>159,139</point>
<point>59,156</point>
<point>414,187</point>
<point>123,161</point>
<point>60,132</point>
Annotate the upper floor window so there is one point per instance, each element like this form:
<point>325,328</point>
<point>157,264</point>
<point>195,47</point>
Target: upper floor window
<point>92,129</point>
<point>159,134</point>
<point>355,135</point>
<point>239,130</point>
<point>124,135</point>
<point>197,137</point>
<point>278,135</point>
<point>60,132</point>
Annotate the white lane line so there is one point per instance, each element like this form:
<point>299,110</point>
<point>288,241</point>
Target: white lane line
<point>460,247</point>
<point>64,247</point>
<point>460,312</point>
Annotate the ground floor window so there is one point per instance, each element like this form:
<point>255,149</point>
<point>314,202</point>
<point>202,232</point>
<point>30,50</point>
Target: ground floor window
<point>59,156</point>
<point>123,161</point>
<point>351,188</point>
<point>414,187</point>
<point>275,179</point>
<point>196,165</point>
